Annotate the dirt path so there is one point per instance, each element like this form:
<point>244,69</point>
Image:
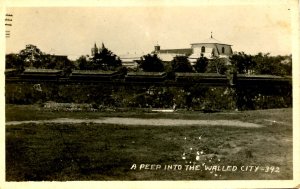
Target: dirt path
<point>148,122</point>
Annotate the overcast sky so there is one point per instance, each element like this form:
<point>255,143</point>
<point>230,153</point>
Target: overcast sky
<point>73,31</point>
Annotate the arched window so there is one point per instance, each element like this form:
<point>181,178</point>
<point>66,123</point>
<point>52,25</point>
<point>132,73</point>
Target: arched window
<point>202,49</point>
<point>223,50</point>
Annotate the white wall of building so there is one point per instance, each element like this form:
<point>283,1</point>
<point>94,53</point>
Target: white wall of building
<point>217,49</point>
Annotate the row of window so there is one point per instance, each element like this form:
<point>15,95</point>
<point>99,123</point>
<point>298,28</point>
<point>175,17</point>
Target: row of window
<point>203,49</point>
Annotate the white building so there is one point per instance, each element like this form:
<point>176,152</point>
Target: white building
<point>130,60</point>
<point>209,48</point>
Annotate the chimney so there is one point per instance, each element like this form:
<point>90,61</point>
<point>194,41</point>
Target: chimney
<point>156,48</point>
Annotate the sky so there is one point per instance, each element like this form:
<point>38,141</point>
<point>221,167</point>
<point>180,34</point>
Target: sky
<point>73,31</point>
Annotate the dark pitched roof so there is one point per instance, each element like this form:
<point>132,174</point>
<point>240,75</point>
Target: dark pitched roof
<point>187,51</point>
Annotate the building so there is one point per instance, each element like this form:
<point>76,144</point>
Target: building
<point>131,60</point>
<point>128,60</point>
<point>209,48</point>
<point>95,50</point>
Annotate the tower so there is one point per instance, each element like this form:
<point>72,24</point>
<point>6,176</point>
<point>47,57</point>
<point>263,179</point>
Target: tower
<point>156,48</point>
<point>94,50</point>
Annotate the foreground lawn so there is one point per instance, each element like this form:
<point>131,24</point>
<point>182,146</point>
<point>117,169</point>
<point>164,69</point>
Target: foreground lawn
<point>90,151</point>
<point>34,112</point>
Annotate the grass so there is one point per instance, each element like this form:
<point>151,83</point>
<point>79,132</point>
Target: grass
<point>91,151</point>
<point>34,112</point>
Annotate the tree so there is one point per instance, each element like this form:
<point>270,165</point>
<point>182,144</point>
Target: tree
<point>286,64</point>
<point>105,60</point>
<point>62,62</point>
<point>83,63</point>
<point>201,64</point>
<point>151,63</point>
<point>273,65</point>
<point>181,64</point>
<point>217,65</point>
<point>32,56</point>
<point>14,61</point>
<point>56,62</point>
<point>242,62</point>
<point>48,61</point>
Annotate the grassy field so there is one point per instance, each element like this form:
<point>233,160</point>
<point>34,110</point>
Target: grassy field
<point>89,151</point>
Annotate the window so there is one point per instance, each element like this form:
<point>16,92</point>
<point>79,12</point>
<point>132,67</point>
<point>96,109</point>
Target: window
<point>202,49</point>
<point>223,50</point>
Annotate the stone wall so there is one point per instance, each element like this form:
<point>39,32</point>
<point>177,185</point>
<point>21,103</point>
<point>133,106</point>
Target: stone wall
<point>193,97</point>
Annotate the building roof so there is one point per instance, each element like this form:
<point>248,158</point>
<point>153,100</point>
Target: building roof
<point>190,74</point>
<point>259,76</point>
<point>10,70</point>
<point>167,57</point>
<point>145,74</point>
<point>210,40</point>
<point>187,51</point>
<point>130,64</point>
<point>33,70</point>
<point>131,57</point>
<point>93,72</point>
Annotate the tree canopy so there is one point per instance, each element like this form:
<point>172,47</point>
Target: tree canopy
<point>273,65</point>
<point>262,64</point>
<point>201,64</point>
<point>217,65</point>
<point>181,64</point>
<point>105,60</point>
<point>151,63</point>
<point>32,56</point>
<point>242,62</point>
<point>83,63</point>
<point>14,61</point>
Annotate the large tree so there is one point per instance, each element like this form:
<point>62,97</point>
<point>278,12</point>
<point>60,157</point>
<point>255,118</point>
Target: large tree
<point>151,63</point>
<point>32,56</point>
<point>181,64</point>
<point>217,65</point>
<point>273,65</point>
<point>242,62</point>
<point>83,63</point>
<point>105,60</point>
<point>201,64</point>
<point>56,62</point>
<point>14,61</point>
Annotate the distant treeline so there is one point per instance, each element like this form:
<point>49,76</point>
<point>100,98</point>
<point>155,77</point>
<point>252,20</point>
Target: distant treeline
<point>106,60</point>
<point>242,82</point>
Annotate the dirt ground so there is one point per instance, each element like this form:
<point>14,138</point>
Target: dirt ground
<point>147,122</point>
